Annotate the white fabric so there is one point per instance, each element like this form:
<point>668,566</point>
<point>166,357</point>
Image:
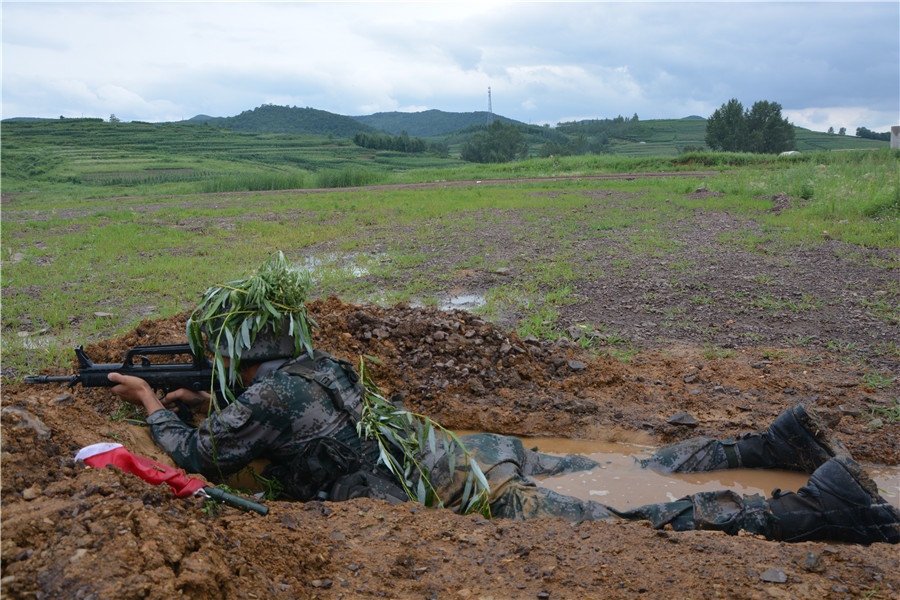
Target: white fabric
<point>95,449</point>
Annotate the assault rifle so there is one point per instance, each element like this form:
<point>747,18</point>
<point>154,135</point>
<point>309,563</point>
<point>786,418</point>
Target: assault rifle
<point>162,377</point>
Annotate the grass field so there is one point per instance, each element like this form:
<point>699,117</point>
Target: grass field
<point>77,268</point>
<point>74,159</point>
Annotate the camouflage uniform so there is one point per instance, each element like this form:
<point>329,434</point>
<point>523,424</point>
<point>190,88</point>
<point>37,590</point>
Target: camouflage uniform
<point>723,510</point>
<point>798,440</point>
<point>272,419</point>
<point>280,413</point>
<point>840,502</point>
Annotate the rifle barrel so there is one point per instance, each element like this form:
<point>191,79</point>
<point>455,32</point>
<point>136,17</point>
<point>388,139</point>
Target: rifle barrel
<point>235,501</point>
<point>49,379</point>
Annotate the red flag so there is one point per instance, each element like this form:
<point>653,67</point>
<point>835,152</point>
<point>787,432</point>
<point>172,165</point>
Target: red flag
<point>102,455</point>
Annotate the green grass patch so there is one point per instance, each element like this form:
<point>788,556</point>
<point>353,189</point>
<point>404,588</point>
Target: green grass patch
<point>713,351</point>
<point>877,380</point>
<point>804,303</point>
<point>76,248</point>
<point>879,415</point>
<point>541,324</point>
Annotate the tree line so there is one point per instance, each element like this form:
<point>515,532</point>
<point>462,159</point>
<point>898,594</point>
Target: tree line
<point>592,136</point>
<point>398,143</point>
<point>619,127</point>
<point>760,129</point>
<point>862,132</point>
<point>500,143</point>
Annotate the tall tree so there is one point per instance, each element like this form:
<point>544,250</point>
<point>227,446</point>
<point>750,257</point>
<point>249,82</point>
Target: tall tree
<point>501,143</point>
<point>726,128</point>
<point>767,131</point>
<point>760,129</point>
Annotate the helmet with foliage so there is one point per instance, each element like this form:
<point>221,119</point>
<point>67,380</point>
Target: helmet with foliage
<point>253,320</point>
<point>276,340</point>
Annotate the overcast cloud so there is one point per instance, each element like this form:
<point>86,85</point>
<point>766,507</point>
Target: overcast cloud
<point>833,64</point>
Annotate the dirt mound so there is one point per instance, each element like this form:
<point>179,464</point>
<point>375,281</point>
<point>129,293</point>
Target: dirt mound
<point>74,532</point>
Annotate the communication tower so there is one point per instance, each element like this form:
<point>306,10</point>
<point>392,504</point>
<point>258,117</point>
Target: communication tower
<point>490,118</point>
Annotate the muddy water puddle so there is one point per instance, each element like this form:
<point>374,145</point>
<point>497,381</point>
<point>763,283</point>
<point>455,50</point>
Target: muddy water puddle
<point>463,302</point>
<point>622,484</point>
<point>353,265</point>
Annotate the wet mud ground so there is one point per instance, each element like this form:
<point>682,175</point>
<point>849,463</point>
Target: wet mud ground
<point>73,532</point>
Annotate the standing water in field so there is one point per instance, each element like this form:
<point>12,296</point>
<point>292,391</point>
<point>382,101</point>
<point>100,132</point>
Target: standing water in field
<point>352,265</point>
<point>463,302</point>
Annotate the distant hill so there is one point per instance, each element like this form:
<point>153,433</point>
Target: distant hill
<point>429,122</point>
<point>660,137</point>
<point>269,118</point>
<point>27,119</point>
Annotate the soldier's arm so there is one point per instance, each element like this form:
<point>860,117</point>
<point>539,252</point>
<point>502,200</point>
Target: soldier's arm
<point>226,442</point>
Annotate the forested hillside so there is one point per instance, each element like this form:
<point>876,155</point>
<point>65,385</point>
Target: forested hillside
<point>269,118</point>
<point>428,123</point>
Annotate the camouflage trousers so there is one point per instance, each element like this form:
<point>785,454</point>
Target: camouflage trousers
<point>508,466</point>
<point>720,511</point>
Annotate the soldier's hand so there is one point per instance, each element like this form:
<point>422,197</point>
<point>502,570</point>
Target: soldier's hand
<point>197,402</point>
<point>134,390</point>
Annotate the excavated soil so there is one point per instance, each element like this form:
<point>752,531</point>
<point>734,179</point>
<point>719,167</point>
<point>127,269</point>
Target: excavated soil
<point>69,531</point>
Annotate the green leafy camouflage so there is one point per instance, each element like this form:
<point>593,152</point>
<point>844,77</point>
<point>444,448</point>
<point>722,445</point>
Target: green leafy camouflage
<point>405,441</point>
<point>261,317</point>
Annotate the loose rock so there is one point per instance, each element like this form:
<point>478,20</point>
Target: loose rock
<point>684,419</point>
<point>773,576</point>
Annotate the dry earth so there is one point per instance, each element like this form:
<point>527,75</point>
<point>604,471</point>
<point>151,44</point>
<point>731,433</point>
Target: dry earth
<point>73,532</point>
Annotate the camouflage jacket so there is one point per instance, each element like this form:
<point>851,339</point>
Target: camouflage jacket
<point>272,419</point>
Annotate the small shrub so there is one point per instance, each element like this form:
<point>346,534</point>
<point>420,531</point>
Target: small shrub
<point>806,191</point>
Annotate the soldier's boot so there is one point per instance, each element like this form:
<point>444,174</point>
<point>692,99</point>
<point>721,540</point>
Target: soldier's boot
<point>796,441</point>
<point>840,503</point>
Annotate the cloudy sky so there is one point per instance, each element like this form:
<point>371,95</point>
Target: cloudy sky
<point>828,64</point>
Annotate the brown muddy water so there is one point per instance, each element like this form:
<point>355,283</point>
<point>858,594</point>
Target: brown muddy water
<point>622,484</point>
